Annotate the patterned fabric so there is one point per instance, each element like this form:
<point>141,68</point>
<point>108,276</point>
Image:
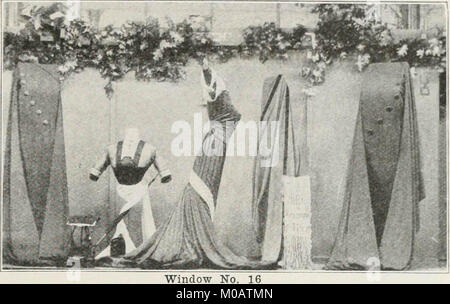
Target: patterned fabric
<point>130,172</point>
<point>133,172</point>
<point>131,195</point>
<point>188,239</point>
<point>384,182</point>
<point>35,184</point>
<point>282,159</point>
<point>127,170</point>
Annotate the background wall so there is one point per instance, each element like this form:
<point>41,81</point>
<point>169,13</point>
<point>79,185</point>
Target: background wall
<point>153,108</point>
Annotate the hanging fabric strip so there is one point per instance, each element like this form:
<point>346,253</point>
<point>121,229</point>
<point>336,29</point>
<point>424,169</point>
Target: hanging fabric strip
<point>271,164</point>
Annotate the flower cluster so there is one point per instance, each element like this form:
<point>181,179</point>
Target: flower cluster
<point>423,52</point>
<point>355,30</point>
<point>153,52</point>
<point>42,24</point>
<point>269,41</point>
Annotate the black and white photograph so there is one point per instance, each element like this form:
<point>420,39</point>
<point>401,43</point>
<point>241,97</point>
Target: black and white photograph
<point>260,137</point>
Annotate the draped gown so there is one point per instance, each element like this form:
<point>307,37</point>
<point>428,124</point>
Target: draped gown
<point>188,239</point>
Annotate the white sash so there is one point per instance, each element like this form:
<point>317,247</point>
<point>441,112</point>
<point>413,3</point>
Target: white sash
<point>133,194</point>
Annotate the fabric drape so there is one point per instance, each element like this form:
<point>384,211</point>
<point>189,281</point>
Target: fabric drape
<point>277,156</point>
<point>130,161</point>
<point>132,195</point>
<point>188,238</point>
<point>35,198</point>
<point>384,186</point>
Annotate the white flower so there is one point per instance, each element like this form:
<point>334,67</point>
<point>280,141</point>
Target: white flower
<point>403,50</point>
<point>69,65</point>
<point>157,54</point>
<point>164,44</point>
<point>436,51</point>
<point>361,47</point>
<point>176,37</point>
<point>306,71</point>
<point>362,61</point>
<point>322,65</point>
<point>56,15</point>
<point>109,53</point>
<point>317,73</point>
<point>420,53</point>
<point>343,55</point>
<point>37,23</point>
<point>143,46</point>
<point>315,57</point>
<point>283,45</point>
<point>63,69</point>
<point>359,21</point>
<point>28,58</point>
<point>433,41</point>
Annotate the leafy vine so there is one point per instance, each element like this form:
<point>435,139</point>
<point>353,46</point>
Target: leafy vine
<point>159,53</point>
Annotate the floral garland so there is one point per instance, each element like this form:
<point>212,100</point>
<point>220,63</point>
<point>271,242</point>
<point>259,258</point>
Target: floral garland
<point>152,52</point>
<point>354,30</point>
<point>156,53</point>
<point>271,42</point>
